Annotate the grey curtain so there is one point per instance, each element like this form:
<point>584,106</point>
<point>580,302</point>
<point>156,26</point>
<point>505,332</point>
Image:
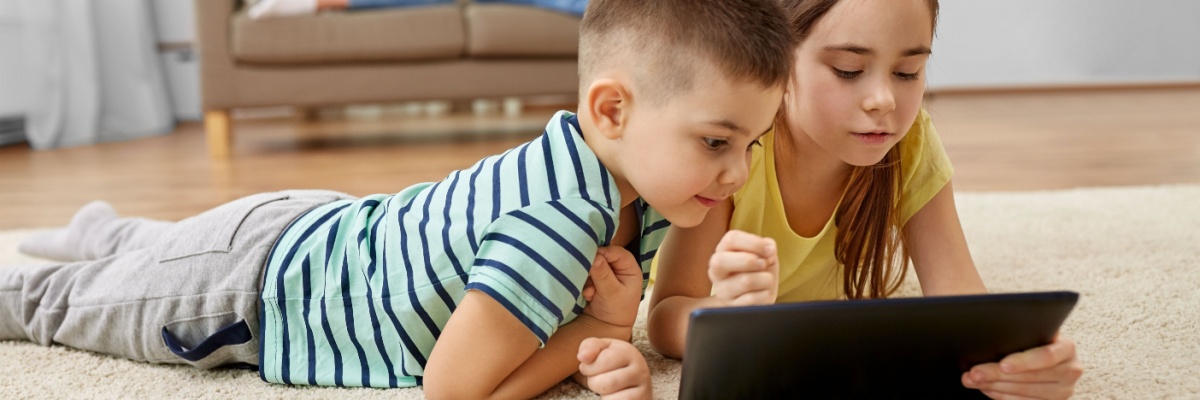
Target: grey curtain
<point>92,72</point>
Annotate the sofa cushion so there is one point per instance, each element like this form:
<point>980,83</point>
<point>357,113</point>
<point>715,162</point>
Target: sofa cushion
<point>399,34</point>
<point>504,30</point>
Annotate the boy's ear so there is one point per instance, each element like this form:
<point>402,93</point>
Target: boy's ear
<point>608,105</point>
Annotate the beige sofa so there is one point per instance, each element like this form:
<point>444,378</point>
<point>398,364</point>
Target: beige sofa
<point>459,51</point>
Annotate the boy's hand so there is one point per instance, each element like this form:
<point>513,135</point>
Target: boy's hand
<point>744,270</point>
<point>614,369</point>
<point>616,287</point>
<point>1047,372</point>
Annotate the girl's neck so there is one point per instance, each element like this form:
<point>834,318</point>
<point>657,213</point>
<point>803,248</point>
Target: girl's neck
<point>811,182</point>
<point>802,161</point>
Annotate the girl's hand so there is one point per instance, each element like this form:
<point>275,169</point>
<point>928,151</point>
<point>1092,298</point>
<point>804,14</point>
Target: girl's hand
<point>615,287</point>
<point>744,270</point>
<point>614,369</point>
<point>1047,372</point>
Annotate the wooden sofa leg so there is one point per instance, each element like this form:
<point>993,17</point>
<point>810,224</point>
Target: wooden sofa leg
<point>220,137</point>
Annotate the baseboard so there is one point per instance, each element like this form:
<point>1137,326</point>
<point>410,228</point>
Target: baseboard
<point>12,129</point>
<point>1083,87</point>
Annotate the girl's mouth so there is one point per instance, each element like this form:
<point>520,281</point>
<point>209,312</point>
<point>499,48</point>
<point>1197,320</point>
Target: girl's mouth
<point>872,138</point>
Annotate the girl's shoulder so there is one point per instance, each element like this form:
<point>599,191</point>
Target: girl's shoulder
<point>924,166</point>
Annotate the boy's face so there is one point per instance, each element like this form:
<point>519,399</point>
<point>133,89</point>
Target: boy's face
<point>692,151</point>
<point>859,78</point>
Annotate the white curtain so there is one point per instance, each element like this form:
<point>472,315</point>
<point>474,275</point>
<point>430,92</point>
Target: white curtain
<point>92,72</point>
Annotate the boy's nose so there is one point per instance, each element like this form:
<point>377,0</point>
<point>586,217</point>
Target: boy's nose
<point>735,173</point>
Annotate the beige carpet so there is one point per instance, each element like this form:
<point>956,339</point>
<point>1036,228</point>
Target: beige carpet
<point>1133,254</point>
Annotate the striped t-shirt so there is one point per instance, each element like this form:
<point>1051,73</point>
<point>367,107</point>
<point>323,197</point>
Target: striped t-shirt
<point>356,292</point>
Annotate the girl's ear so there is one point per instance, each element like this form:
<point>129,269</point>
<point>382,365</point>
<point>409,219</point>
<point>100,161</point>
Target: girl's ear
<point>608,103</point>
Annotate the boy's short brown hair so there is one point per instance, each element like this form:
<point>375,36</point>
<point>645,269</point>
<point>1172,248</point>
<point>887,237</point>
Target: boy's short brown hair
<point>664,41</point>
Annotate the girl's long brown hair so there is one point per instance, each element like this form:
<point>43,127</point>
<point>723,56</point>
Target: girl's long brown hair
<point>870,242</point>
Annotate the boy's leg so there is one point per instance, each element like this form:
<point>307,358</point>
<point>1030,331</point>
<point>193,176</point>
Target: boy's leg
<point>160,303</point>
<point>95,232</point>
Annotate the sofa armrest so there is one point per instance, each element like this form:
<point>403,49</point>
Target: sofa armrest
<point>216,60</point>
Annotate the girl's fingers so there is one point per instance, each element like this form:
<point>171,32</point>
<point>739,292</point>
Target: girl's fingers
<point>1053,354</point>
<point>1023,390</point>
<point>724,264</point>
<point>736,240</point>
<point>744,283</point>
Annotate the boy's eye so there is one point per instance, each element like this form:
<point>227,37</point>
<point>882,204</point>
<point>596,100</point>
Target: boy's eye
<point>713,144</point>
<point>846,74</point>
<point>907,77</point>
<point>752,144</point>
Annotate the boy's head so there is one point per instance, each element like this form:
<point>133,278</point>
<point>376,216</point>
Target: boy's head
<point>665,43</point>
<point>674,92</point>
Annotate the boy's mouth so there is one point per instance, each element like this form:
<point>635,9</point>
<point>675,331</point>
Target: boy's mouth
<point>707,202</point>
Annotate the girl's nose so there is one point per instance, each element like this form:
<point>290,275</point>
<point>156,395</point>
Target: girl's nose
<point>880,98</point>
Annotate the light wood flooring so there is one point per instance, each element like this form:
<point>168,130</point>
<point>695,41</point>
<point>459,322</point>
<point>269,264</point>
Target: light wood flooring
<point>997,141</point>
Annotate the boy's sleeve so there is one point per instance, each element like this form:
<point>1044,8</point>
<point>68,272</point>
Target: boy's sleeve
<point>535,260</point>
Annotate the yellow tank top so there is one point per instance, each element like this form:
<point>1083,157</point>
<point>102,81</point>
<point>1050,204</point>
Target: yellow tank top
<point>807,269</point>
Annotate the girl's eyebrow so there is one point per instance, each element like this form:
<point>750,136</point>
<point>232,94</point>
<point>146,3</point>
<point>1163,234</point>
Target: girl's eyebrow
<point>860,50</point>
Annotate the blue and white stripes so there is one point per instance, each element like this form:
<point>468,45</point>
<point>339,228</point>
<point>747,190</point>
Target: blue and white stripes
<point>356,292</point>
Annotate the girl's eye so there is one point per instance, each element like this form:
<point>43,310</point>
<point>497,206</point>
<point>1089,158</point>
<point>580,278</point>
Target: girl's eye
<point>907,77</point>
<point>846,74</point>
<point>714,144</point>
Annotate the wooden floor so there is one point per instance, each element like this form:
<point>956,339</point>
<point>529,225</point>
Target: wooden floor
<point>1005,141</point>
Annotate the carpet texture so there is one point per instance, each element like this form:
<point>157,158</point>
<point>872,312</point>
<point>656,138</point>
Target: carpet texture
<point>1132,253</point>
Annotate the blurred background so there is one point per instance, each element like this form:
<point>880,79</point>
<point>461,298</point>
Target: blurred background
<point>121,99</point>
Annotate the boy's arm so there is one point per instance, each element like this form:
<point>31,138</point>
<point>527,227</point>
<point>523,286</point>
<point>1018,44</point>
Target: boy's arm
<point>485,352</point>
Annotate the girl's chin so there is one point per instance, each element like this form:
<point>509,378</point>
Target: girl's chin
<point>864,160</point>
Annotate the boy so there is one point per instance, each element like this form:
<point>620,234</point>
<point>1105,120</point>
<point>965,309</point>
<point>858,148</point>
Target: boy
<point>475,286</point>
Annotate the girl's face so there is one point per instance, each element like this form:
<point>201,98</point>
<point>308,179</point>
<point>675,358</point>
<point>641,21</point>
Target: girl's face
<point>859,78</point>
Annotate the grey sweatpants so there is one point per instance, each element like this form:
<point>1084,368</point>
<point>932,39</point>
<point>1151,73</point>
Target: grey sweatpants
<point>166,289</point>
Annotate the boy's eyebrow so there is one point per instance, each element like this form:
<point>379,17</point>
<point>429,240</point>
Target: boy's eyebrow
<point>856,49</point>
<point>727,124</point>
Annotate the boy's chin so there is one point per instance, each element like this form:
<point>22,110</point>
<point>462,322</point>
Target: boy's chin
<point>685,218</point>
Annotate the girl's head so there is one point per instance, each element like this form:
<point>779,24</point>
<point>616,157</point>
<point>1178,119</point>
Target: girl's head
<point>859,73</point>
<point>856,90</point>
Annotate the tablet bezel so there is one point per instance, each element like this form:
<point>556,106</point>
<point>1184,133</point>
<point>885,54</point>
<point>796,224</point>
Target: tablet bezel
<point>892,348</point>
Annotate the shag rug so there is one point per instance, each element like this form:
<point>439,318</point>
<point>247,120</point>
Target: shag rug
<point>1132,253</point>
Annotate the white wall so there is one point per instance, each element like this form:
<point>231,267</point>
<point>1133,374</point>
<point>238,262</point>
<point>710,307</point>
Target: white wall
<point>986,43</point>
<point>11,49</point>
<point>174,22</point>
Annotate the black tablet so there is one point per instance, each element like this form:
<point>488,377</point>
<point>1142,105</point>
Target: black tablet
<point>891,348</point>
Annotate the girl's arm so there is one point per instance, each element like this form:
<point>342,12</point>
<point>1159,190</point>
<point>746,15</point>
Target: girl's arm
<point>938,248</point>
<point>736,267</point>
<point>484,352</point>
<point>943,264</point>
<point>681,282</point>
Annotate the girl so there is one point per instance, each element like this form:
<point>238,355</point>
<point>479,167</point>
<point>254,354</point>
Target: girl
<point>852,182</point>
